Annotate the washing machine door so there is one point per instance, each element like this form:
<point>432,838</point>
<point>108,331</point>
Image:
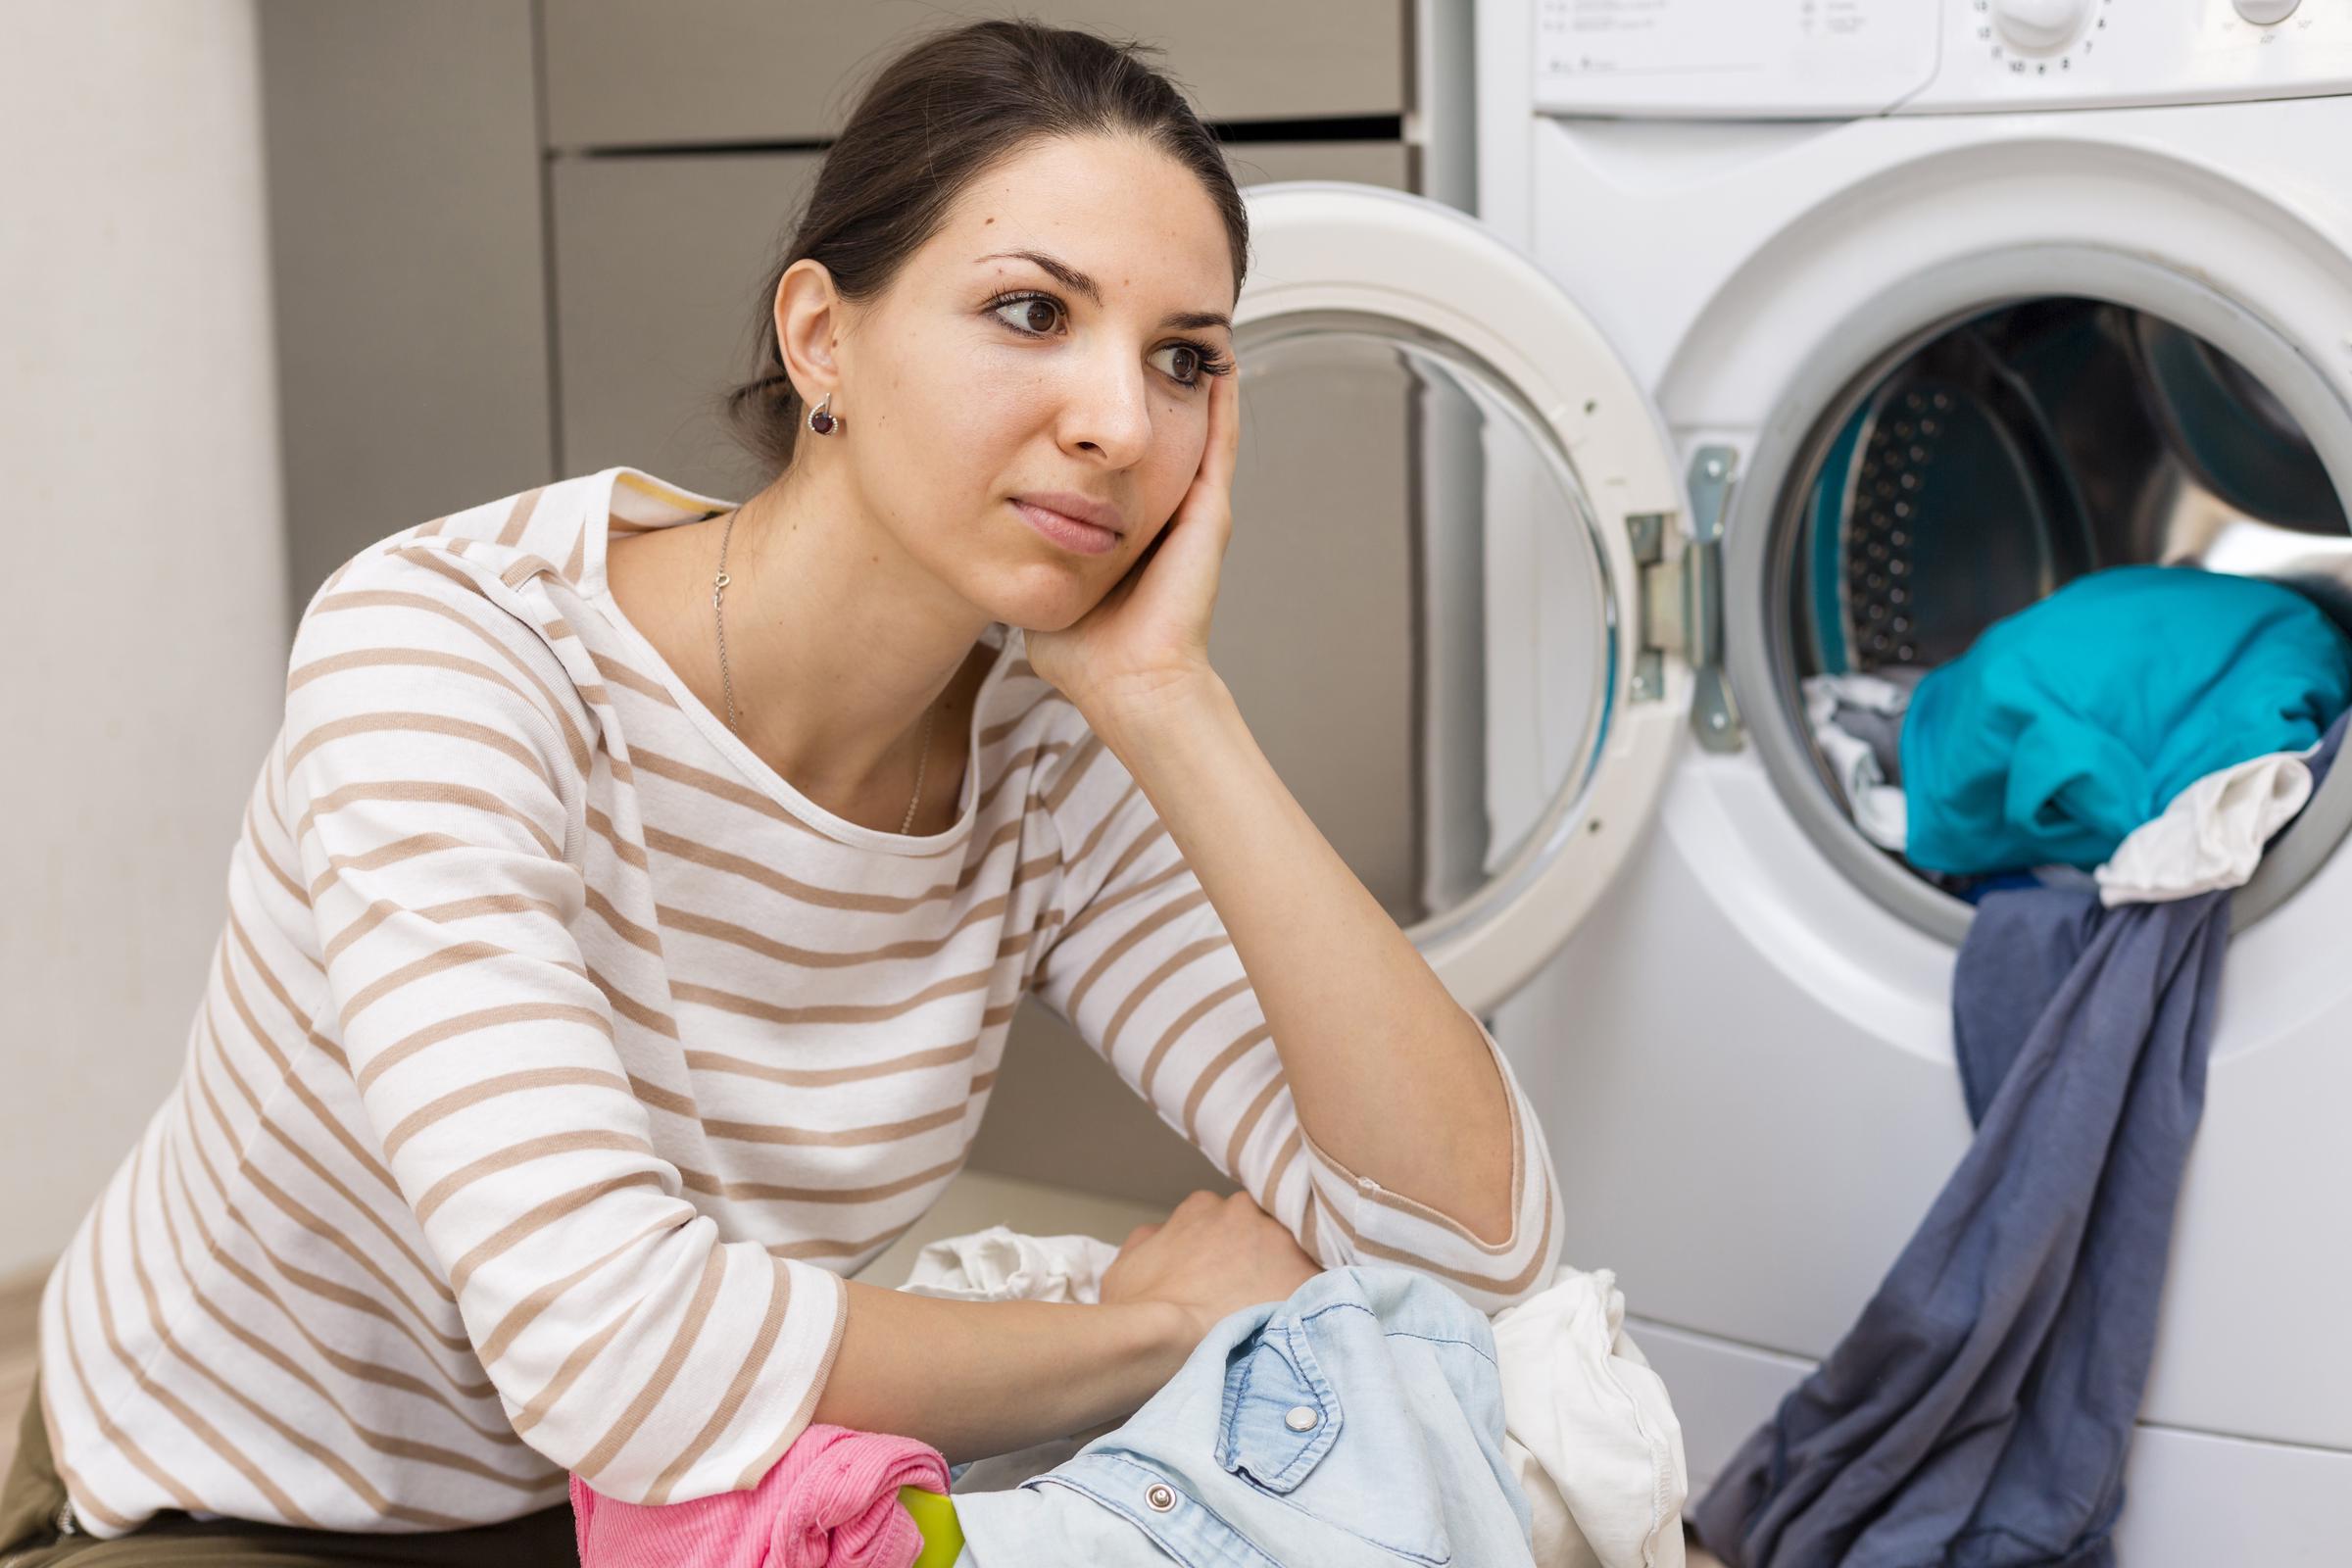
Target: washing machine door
<point>1547,526</point>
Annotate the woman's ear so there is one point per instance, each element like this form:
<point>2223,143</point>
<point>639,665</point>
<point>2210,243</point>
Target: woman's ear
<point>809,315</point>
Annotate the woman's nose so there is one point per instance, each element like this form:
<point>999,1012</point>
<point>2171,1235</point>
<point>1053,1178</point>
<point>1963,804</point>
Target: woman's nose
<point>1109,415</point>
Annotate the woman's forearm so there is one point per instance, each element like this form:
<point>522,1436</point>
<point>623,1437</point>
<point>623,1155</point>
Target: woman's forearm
<point>1390,1075</point>
<point>978,1378</point>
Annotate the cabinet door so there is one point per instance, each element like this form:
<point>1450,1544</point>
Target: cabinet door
<point>409,280</point>
<point>661,72</point>
<point>659,267</point>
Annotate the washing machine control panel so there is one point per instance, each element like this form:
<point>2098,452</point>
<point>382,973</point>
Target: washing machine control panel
<point>2097,54</point>
<point>1815,58</point>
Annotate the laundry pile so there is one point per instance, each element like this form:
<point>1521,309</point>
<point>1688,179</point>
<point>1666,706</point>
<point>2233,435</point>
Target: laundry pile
<point>2160,725</point>
<point>1372,1418</point>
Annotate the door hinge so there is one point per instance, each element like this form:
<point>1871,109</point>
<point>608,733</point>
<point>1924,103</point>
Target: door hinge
<point>1681,600</point>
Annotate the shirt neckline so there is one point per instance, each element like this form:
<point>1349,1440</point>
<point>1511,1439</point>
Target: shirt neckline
<point>658,503</point>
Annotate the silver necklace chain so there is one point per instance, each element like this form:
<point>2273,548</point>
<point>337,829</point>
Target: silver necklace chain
<point>726,681</point>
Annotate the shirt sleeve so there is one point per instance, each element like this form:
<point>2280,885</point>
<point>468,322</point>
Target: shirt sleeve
<point>1139,962</point>
<point>436,757</point>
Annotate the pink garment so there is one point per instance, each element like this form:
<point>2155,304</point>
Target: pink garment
<point>832,1501</point>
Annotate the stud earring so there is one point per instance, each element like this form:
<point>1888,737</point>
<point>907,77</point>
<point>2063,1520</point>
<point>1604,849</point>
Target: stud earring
<point>821,417</point>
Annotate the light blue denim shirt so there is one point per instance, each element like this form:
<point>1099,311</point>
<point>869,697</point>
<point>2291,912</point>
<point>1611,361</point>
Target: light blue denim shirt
<point>1357,1423</point>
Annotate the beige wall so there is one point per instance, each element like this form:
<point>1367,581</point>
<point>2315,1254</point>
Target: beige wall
<point>144,598</point>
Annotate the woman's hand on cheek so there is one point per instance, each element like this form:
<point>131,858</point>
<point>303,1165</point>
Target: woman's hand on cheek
<point>1147,638</point>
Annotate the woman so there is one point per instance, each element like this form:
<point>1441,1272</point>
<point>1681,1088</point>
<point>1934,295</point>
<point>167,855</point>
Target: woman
<point>628,917</point>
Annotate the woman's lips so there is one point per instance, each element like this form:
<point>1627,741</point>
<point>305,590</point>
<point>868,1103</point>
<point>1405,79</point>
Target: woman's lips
<point>1086,538</point>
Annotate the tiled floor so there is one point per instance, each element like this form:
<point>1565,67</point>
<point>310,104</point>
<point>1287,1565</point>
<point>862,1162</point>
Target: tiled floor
<point>972,1201</point>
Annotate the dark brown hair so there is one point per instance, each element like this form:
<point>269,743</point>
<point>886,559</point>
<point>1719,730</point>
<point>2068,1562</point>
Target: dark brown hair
<point>942,113</point>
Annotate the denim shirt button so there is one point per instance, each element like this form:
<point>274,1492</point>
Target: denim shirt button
<point>1301,1418</point>
<point>1161,1497</point>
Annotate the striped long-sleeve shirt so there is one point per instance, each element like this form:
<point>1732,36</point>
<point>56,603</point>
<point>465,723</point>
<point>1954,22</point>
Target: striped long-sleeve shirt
<point>557,1059</point>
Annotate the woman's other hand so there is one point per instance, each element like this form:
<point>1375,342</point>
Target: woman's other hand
<point>1149,635</point>
<point>1210,1257</point>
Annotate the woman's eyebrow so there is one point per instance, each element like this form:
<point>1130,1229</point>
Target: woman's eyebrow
<point>1078,282</point>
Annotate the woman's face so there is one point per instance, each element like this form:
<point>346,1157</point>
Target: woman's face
<point>1051,343</point>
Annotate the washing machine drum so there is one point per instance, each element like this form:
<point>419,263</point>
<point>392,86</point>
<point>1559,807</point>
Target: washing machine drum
<point>2029,445</point>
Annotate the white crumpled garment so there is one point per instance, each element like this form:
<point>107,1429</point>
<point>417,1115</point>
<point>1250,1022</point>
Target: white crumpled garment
<point>2210,836</point>
<point>1589,1431</point>
<point>1878,808</point>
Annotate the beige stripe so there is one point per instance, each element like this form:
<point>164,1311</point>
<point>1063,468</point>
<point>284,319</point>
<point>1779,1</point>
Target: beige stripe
<point>455,956</point>
<point>415,723</point>
<point>1174,964</point>
<point>437,562</point>
<point>523,1153</point>
<point>739,1388</point>
<point>212,1437</point>
<point>1306,1225</point>
<point>629,1007</point>
<point>428,792</point>
<point>834,1011</point>
<point>628,930</point>
<point>799,1421</point>
<point>411,847</point>
<point>1283,1158</point>
<point>1130,939</point>
<point>766,876</point>
<point>465,1023</point>
<point>171,1485</point>
<point>439,914</point>
<point>627,852</point>
<point>359,1484</point>
<point>574,1366</point>
<point>351,1366</point>
<point>1248,1124</point>
<point>579,554</point>
<point>825,1077</point>
<point>524,1313</point>
<point>836,1246</point>
<point>691,923</point>
<point>290,1081</point>
<point>752,1132</point>
<point>1176,1030</point>
<point>475,1093</point>
<point>1103,903</point>
<point>673,1356</point>
<point>1084,854</point>
<point>388,598</point>
<point>381,1442</point>
<point>655,1097</point>
<point>770,1191</point>
<point>312,1163</point>
<point>1081,762</point>
<point>408,657</point>
<point>78,1489</point>
<point>302,1215</point>
<point>252,845</point>
<point>621,675</point>
<point>1215,1070</point>
<point>531,1221</point>
<point>518,517</point>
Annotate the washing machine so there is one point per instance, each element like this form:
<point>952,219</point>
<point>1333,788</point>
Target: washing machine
<point>1816,336</point>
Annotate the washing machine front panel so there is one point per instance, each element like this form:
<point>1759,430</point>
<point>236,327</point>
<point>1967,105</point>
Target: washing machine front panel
<point>1743,1060</point>
<point>1539,438</point>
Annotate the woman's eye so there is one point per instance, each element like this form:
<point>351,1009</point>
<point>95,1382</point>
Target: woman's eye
<point>1034,314</point>
<point>1184,362</point>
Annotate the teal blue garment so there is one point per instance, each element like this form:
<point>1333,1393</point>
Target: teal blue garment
<point>2075,721</point>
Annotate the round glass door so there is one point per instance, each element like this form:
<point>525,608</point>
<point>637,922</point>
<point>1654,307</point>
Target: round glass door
<point>1424,610</point>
